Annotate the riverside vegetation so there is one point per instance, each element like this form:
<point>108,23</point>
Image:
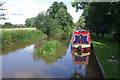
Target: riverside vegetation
<point>56,22</point>
<point>49,48</point>
<point>10,37</point>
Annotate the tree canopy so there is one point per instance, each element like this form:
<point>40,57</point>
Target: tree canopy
<point>101,14</point>
<point>54,8</point>
<point>46,24</point>
<point>2,15</point>
<point>59,12</point>
<point>30,22</point>
<point>56,21</point>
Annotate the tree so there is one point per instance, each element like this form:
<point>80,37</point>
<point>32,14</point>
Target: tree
<point>30,22</point>
<point>59,12</point>
<point>56,21</point>
<point>2,15</point>
<point>46,24</point>
<point>39,21</point>
<point>8,24</point>
<point>51,26</point>
<point>101,14</point>
<point>63,17</point>
<point>53,10</point>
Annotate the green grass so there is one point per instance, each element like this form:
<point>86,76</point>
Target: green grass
<point>10,37</point>
<point>104,49</point>
<point>49,48</point>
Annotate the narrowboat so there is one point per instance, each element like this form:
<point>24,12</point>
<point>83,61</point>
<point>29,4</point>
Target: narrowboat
<point>81,40</point>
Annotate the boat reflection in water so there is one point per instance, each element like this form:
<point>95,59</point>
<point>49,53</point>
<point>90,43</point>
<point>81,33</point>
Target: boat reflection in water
<point>79,57</point>
<point>81,60</point>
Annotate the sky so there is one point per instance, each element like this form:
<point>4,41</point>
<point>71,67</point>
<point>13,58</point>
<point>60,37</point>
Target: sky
<point>19,10</point>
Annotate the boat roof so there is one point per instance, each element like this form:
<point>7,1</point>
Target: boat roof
<point>81,30</point>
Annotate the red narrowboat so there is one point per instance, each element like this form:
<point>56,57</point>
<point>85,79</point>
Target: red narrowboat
<point>81,40</point>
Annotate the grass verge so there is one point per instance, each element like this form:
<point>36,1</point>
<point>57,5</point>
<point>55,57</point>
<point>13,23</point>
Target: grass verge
<point>104,49</point>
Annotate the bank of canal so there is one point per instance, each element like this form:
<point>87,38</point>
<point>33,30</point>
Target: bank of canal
<point>21,63</point>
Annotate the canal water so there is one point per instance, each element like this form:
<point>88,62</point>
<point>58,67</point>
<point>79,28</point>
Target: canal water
<point>19,62</point>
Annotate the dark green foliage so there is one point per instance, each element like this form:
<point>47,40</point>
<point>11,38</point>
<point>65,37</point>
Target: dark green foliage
<point>59,12</point>
<point>101,14</point>
<point>47,24</point>
<point>64,17</point>
<point>49,48</point>
<point>116,35</point>
<point>7,24</point>
<point>10,37</point>
<point>39,21</point>
<point>53,10</point>
<point>30,22</point>
<point>79,5</point>
<point>51,26</point>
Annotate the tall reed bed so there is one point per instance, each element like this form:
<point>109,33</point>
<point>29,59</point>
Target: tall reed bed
<point>10,37</point>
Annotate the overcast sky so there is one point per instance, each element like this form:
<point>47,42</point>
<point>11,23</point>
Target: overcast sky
<point>19,10</point>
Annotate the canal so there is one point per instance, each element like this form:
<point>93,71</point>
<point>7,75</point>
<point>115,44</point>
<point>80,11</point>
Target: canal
<point>18,61</point>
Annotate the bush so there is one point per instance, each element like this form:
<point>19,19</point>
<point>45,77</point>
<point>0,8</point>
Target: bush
<point>49,48</point>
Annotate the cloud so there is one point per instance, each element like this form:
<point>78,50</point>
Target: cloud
<point>18,11</point>
<point>29,48</point>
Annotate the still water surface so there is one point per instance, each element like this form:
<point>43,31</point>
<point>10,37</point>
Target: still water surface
<point>19,62</point>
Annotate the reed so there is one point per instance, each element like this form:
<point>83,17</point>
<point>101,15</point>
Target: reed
<point>10,37</point>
